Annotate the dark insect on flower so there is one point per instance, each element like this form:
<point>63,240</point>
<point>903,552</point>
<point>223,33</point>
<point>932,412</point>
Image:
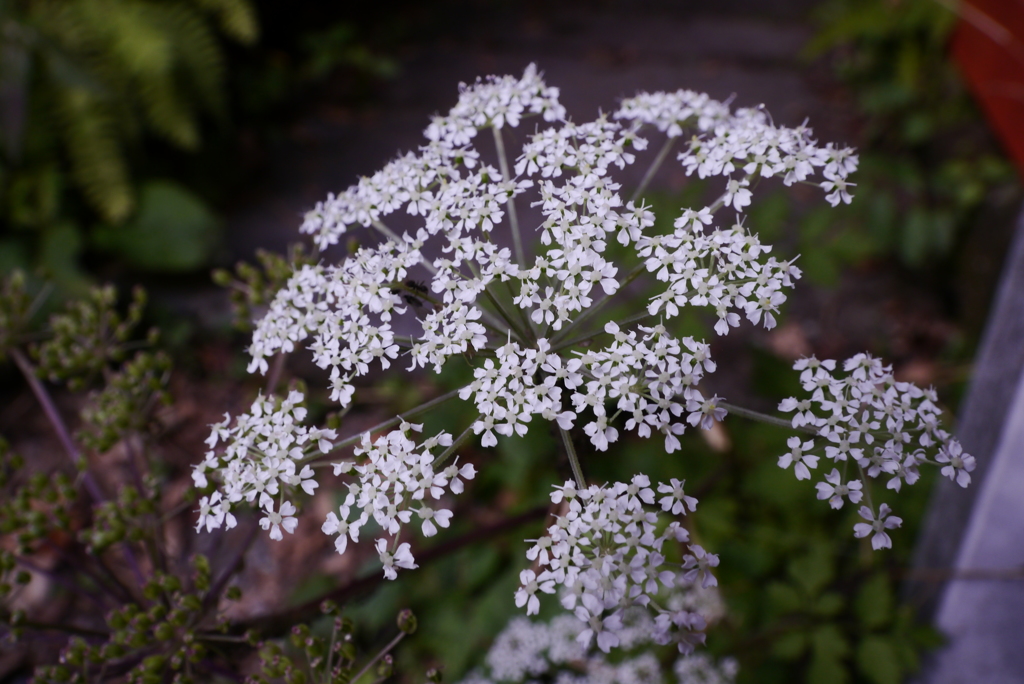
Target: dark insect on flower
<point>416,286</point>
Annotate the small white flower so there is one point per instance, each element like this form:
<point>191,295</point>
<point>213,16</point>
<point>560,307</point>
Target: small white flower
<point>834,489</point>
<point>698,563</point>
<point>884,521</point>
<point>401,558</point>
<point>958,465</point>
<point>531,584</point>
<point>284,518</point>
<point>797,457</point>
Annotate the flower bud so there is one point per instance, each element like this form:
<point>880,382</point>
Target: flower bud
<point>386,666</point>
<point>407,621</point>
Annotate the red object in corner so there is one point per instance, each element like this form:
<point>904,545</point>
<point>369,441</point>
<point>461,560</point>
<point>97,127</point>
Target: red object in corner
<point>988,44</point>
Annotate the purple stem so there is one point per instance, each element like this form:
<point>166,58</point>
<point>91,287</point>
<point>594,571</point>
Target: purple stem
<point>53,415</point>
<point>229,571</point>
<point>56,577</point>
<point>55,420</point>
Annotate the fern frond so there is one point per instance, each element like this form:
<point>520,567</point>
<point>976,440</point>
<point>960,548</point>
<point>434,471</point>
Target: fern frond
<point>199,61</point>
<point>237,18</point>
<point>96,158</point>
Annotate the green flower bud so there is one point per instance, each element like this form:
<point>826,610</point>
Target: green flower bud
<point>386,666</point>
<point>407,621</point>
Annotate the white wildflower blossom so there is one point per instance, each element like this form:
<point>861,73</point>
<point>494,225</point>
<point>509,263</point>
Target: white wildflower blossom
<point>395,479</point>
<point>260,461</point>
<point>876,526</point>
<point>527,326</point>
<point>607,554</point>
<point>888,429</point>
<point>527,651</point>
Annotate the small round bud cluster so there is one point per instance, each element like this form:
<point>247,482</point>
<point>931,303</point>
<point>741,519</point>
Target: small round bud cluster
<point>260,463</point>
<point>42,505</point>
<point>606,554</point>
<point>127,518</point>
<point>251,287</point>
<point>160,637</point>
<point>314,658</point>
<point>127,401</point>
<point>528,651</point>
<point>88,335</point>
<point>395,480</point>
<point>886,428</point>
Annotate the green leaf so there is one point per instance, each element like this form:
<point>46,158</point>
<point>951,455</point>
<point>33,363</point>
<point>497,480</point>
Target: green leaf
<point>829,641</point>
<point>172,232</point>
<point>878,661</point>
<point>58,254</point>
<point>827,670</point>
<point>790,646</point>
<point>814,570</point>
<point>830,647</point>
<point>829,604</point>
<point>782,598</point>
<point>873,604</point>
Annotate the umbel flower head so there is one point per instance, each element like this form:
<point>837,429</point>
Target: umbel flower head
<point>521,301</point>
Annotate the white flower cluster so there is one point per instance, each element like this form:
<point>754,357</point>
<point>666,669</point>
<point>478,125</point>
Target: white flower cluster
<point>673,113</point>
<point>348,308</point>
<point>395,480</point>
<point>260,463</point>
<point>747,141</point>
<point>606,554</point>
<point>528,651</point>
<point>720,269</point>
<point>580,212</point>
<point>528,327</point>
<point>649,377</point>
<point>883,427</point>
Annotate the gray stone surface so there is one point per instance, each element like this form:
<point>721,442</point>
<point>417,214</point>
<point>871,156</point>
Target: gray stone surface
<point>984,618</point>
<point>979,532</point>
<point>997,375</point>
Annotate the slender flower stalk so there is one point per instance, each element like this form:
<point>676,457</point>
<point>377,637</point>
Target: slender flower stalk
<point>653,169</point>
<point>513,217</point>
<point>574,460</point>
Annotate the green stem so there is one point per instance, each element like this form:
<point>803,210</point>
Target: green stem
<point>384,651</point>
<point>655,165</point>
<point>592,335</point>
<point>391,422</point>
<point>447,453</point>
<point>765,418</point>
<point>504,314</point>
<point>574,461</point>
<point>513,217</point>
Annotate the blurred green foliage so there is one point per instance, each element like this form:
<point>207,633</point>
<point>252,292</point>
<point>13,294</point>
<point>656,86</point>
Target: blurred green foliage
<point>929,165</point>
<point>84,84</point>
<point>122,123</point>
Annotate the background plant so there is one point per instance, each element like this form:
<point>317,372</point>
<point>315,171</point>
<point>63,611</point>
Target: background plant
<point>134,604</point>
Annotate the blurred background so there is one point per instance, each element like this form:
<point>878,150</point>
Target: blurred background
<point>151,141</point>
